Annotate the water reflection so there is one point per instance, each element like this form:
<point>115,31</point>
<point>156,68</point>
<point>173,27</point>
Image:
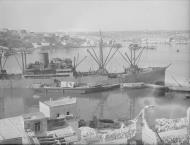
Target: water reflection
<point>117,104</point>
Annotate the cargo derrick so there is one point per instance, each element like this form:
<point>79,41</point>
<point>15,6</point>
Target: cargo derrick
<point>102,63</point>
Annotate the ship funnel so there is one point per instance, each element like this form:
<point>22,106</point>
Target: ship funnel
<point>44,59</point>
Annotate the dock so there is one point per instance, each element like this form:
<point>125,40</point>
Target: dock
<point>184,89</point>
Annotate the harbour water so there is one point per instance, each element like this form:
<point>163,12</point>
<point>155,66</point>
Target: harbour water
<point>116,104</point>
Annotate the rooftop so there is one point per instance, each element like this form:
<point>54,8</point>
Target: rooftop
<point>61,102</point>
<point>33,116</point>
<point>13,128</point>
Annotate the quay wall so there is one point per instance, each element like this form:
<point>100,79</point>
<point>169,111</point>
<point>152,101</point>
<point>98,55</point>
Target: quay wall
<point>28,82</point>
<point>12,141</point>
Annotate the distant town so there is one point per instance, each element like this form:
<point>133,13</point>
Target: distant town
<point>16,39</point>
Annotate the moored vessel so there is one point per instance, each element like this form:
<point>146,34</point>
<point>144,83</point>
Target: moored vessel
<point>73,87</point>
<point>133,73</point>
<point>46,71</point>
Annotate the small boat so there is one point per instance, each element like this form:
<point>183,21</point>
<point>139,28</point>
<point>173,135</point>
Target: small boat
<point>179,88</point>
<point>83,89</point>
<point>133,85</point>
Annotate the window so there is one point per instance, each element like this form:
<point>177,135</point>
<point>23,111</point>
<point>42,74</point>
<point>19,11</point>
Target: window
<point>37,126</point>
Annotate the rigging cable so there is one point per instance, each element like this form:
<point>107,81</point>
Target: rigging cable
<point>98,59</point>
<point>18,62</point>
<point>124,57</point>
<point>108,55</point>
<point>111,56</point>
<point>81,61</point>
<point>4,62</point>
<point>92,56</point>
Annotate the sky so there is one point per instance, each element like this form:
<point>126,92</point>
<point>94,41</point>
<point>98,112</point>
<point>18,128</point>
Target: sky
<point>93,15</point>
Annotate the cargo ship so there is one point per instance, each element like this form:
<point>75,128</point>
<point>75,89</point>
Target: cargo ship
<point>133,73</point>
<point>44,68</point>
<point>46,71</point>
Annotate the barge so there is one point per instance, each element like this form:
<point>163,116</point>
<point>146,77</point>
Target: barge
<point>79,88</point>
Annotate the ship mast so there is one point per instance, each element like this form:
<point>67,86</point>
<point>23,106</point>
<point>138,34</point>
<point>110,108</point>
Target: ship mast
<point>3,57</point>
<point>135,55</point>
<point>1,67</point>
<point>77,62</point>
<point>101,52</point>
<point>102,63</point>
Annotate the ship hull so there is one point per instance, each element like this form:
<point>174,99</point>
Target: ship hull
<point>155,76</point>
<point>80,90</point>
